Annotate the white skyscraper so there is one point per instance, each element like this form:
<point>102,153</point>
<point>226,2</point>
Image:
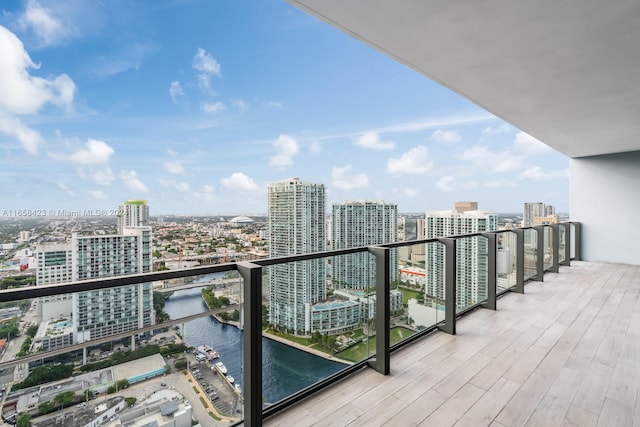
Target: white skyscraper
<point>99,313</point>
<point>471,254</point>
<point>133,213</point>
<point>362,223</point>
<point>296,225</point>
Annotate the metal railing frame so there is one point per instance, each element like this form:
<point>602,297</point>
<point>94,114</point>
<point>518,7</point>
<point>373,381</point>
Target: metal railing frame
<point>251,273</point>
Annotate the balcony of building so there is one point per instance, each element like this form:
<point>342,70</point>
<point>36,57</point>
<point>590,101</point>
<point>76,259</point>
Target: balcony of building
<point>563,353</point>
<point>555,318</point>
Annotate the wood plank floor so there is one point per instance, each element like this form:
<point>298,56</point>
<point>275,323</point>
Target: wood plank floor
<point>565,353</point>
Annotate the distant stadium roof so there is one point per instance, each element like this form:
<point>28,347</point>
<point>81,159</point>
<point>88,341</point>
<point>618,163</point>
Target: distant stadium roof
<point>241,219</point>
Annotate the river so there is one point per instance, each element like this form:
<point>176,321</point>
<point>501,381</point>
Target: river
<point>286,370</point>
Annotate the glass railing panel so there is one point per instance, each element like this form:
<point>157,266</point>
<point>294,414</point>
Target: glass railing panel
<point>530,253</point>
<point>215,368</point>
<point>421,293</point>
<point>471,271</point>
<point>547,248</point>
<point>107,347</point>
<point>572,243</point>
<point>505,261</point>
<point>320,318</point>
<point>433,307</point>
<point>562,252</point>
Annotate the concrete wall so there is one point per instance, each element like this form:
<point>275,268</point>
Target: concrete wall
<point>605,197</point>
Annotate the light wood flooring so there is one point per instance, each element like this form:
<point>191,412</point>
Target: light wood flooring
<point>565,353</point>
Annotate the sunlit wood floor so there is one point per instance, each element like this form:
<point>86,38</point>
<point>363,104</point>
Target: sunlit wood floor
<point>565,353</point>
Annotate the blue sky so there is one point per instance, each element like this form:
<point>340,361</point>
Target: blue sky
<point>196,105</point>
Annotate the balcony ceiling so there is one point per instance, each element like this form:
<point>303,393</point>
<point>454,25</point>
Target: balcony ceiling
<point>566,72</point>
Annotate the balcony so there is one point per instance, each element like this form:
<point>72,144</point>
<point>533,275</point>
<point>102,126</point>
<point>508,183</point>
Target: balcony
<point>555,349</point>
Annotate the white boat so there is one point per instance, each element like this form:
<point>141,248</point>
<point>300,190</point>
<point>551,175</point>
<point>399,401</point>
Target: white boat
<point>220,366</point>
<point>238,389</point>
<point>230,379</point>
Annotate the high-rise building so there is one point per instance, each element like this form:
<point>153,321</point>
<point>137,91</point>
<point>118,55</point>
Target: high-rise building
<point>465,206</point>
<point>133,213</point>
<point>296,225</point>
<point>99,313</point>
<point>535,210</point>
<point>471,268</point>
<point>362,223</point>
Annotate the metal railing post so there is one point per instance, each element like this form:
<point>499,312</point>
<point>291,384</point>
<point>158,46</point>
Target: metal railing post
<point>578,241</point>
<point>539,253</point>
<point>252,340</point>
<point>449,286</point>
<point>519,260</point>
<point>382,363</point>
<point>491,271</point>
<point>567,244</point>
<point>555,246</point>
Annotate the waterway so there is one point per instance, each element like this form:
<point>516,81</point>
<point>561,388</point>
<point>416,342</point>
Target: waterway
<point>286,370</point>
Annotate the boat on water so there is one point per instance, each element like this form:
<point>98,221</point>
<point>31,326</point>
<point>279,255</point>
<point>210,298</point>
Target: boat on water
<point>208,351</point>
<point>220,366</point>
<point>230,379</point>
<point>238,389</point>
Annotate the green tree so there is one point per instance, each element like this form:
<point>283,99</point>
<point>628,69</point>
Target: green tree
<point>180,364</point>
<point>64,399</point>
<point>45,408</point>
<point>24,420</point>
<point>31,331</point>
<point>130,401</point>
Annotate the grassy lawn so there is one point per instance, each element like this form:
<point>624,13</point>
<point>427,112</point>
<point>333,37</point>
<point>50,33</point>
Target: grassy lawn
<point>293,338</point>
<point>364,349</point>
<point>407,294</point>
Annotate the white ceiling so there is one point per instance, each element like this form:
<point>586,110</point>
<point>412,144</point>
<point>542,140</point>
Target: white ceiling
<point>565,71</point>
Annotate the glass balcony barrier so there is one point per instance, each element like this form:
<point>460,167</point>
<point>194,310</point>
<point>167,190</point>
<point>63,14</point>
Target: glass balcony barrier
<point>506,251</point>
<point>530,253</point>
<point>227,339</point>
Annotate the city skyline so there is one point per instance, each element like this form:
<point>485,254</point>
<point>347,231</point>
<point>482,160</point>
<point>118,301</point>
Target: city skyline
<point>200,120</point>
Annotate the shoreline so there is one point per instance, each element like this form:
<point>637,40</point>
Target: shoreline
<point>285,341</point>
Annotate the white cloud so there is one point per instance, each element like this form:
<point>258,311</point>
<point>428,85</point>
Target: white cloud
<point>239,181</point>
<point>490,130</point>
<point>448,184</point>
<point>24,94</point>
<point>48,28</point>
<point>174,167</point>
<point>287,148</point>
<point>176,92</point>
<point>102,176</point>
<point>212,107</point>
<point>132,182</point>
<point>343,179</point>
<point>446,136</point>
<point>240,105</point>
<point>500,161</point>
<point>94,152</point>
<point>371,140</point>
<point>406,192</point>
<point>413,162</point>
<point>528,145</point>
<point>275,104</point>
<point>130,57</point>
<point>29,138</point>
<point>172,153</point>
<point>206,193</point>
<point>315,147</point>
<point>183,187</point>
<point>98,195</point>
<point>66,189</point>
<point>207,67</point>
<point>535,173</point>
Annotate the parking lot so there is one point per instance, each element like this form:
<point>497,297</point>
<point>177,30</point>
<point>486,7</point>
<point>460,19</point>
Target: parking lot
<point>223,395</point>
